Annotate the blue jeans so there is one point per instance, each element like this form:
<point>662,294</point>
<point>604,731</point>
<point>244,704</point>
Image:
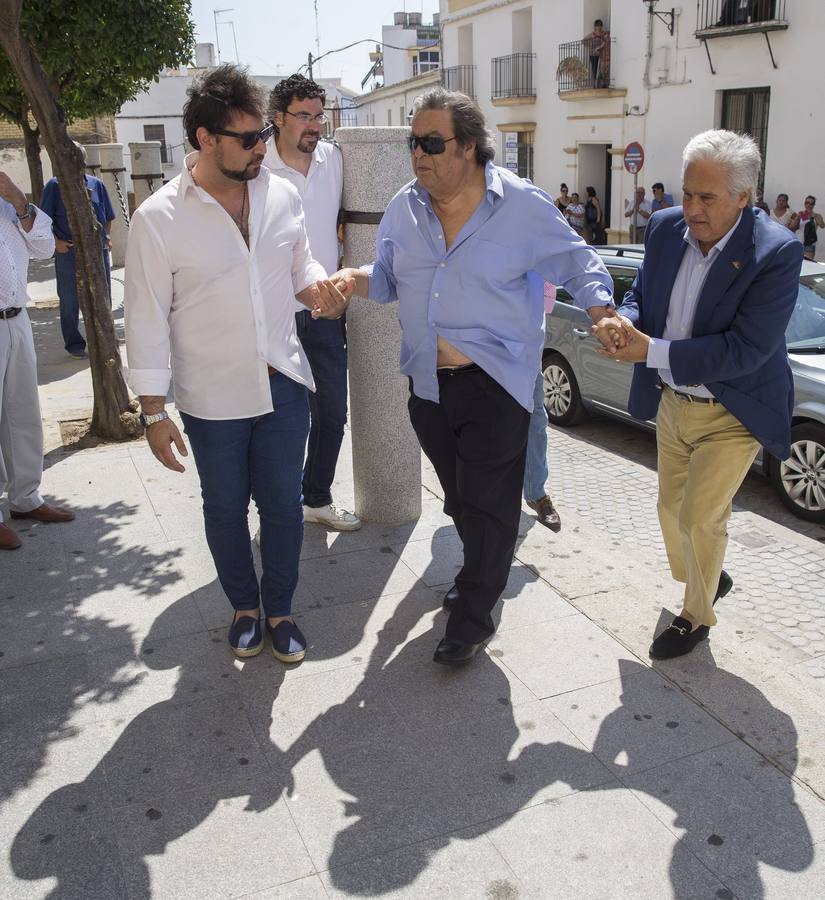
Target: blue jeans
<point>324,342</point>
<point>66,273</point>
<point>535,469</point>
<point>259,458</point>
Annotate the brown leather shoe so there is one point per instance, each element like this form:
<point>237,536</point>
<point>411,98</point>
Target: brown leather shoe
<point>8,538</point>
<point>546,513</point>
<point>45,513</point>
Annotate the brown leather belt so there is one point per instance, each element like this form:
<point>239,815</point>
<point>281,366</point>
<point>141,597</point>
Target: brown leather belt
<point>692,398</point>
<point>11,312</point>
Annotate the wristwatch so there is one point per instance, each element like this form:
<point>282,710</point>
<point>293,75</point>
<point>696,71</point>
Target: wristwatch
<point>31,209</point>
<point>146,421</point>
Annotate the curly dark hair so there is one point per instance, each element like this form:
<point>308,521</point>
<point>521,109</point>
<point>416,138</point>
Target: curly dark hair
<point>296,87</point>
<point>216,97</point>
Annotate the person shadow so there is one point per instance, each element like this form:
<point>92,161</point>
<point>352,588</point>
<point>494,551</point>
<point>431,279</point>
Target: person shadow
<point>412,758</point>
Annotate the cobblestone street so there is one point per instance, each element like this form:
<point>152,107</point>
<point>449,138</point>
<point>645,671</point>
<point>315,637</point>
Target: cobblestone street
<point>604,471</point>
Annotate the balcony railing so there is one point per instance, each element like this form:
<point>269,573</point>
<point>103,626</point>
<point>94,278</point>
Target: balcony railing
<point>460,78</point>
<point>718,18</point>
<point>584,65</point>
<point>513,76</point>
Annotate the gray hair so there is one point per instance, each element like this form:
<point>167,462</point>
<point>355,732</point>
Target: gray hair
<point>468,120</point>
<point>738,153</point>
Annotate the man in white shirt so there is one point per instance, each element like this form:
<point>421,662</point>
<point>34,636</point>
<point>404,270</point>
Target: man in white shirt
<point>25,231</point>
<point>638,210</point>
<point>214,262</point>
<point>315,168</point>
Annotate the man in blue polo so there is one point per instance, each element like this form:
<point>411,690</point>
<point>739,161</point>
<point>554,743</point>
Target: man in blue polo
<point>455,248</point>
<point>65,267</point>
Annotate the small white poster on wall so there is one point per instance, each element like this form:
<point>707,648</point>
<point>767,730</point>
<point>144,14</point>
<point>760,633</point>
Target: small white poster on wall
<point>511,150</point>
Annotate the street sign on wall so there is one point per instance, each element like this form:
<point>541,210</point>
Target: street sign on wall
<point>634,157</point>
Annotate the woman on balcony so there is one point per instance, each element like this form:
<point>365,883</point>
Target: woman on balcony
<point>599,49</point>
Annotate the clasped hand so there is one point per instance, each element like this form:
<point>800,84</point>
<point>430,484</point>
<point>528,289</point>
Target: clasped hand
<point>331,297</point>
<point>620,339</point>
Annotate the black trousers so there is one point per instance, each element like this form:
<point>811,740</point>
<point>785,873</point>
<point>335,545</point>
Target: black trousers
<point>476,438</point>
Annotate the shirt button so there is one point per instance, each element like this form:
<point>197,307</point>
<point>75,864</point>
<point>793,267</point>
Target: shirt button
<point>439,237</point>
<point>443,265</point>
<point>436,295</point>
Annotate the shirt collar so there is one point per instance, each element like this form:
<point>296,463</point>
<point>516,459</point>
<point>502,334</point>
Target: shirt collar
<point>187,182</point>
<point>719,246</point>
<point>491,175</point>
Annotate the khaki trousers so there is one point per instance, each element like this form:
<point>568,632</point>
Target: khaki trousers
<point>704,455</point>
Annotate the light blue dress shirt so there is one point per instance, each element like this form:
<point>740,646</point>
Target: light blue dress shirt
<point>681,311</point>
<point>480,295</point>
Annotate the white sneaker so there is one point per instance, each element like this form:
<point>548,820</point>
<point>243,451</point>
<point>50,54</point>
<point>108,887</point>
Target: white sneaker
<point>332,517</point>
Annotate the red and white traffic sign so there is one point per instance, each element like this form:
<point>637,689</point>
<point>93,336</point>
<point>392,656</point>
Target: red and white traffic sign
<point>634,157</point>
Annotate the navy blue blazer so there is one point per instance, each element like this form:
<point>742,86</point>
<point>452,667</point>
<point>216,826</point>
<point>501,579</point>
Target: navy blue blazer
<point>737,349</point>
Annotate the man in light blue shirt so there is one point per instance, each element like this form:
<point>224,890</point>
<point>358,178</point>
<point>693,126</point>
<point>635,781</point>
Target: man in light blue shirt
<point>455,248</point>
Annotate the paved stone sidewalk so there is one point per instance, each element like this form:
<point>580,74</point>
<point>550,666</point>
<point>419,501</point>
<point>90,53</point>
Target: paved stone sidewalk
<point>141,760</point>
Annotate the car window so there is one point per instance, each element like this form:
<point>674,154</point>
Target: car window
<point>807,324</point>
<point>623,278</point>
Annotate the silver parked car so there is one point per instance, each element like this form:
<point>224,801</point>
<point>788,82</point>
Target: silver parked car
<point>578,380</point>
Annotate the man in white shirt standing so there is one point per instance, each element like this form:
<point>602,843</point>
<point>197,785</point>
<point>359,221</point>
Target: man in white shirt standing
<point>24,231</point>
<point>638,210</point>
<point>214,262</point>
<point>315,168</point>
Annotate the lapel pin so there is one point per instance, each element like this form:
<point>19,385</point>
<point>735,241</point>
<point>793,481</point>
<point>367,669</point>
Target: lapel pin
<point>736,264</point>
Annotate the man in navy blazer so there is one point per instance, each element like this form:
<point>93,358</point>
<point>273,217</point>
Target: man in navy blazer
<point>705,325</point>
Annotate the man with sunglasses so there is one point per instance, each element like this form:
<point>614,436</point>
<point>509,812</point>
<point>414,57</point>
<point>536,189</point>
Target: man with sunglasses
<point>457,248</point>
<point>315,168</point>
<point>214,262</point>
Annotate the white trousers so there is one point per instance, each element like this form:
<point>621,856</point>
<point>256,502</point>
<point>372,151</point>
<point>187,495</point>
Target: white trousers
<point>21,429</point>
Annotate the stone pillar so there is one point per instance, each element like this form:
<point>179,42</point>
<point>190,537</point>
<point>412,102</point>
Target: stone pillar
<point>92,159</point>
<point>147,173</point>
<point>386,457</point>
<point>113,175</point>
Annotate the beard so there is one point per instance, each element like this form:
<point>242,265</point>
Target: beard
<point>307,142</point>
<point>247,174</point>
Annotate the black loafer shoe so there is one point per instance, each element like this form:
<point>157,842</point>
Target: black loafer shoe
<point>450,599</point>
<point>245,637</point>
<point>455,653</point>
<point>725,584</point>
<point>677,639</point>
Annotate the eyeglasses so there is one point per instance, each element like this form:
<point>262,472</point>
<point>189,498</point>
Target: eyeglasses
<point>431,144</point>
<point>306,117</point>
<point>248,139</point>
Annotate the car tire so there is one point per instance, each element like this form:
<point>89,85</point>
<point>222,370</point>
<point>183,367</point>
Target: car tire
<point>800,479</point>
<point>562,398</point>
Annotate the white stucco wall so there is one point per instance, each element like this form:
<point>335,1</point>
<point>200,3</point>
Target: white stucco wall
<point>686,103</point>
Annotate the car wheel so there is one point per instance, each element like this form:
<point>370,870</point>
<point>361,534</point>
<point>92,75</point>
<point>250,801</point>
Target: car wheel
<point>562,398</point>
<point>800,479</point>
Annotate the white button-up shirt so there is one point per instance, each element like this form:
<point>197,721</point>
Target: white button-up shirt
<point>320,190</point>
<point>208,312</point>
<point>684,298</point>
<point>16,247</point>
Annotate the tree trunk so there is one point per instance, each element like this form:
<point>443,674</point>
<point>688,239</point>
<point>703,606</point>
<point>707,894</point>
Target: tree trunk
<point>112,418</point>
<point>31,137</point>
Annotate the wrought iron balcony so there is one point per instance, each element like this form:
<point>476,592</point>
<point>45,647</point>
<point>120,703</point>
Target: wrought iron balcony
<point>460,78</point>
<point>584,66</point>
<point>512,79</point>
<point>721,18</point>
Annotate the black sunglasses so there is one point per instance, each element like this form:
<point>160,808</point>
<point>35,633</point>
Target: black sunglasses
<point>432,144</point>
<point>249,139</point>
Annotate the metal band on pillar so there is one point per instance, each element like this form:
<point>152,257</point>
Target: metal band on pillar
<point>123,208</point>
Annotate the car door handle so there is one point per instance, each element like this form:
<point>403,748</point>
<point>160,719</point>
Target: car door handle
<point>581,332</point>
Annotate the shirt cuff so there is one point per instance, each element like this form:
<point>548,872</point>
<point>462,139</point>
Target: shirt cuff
<point>41,227</point>
<point>658,354</point>
<point>312,274</point>
<point>149,382</point>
